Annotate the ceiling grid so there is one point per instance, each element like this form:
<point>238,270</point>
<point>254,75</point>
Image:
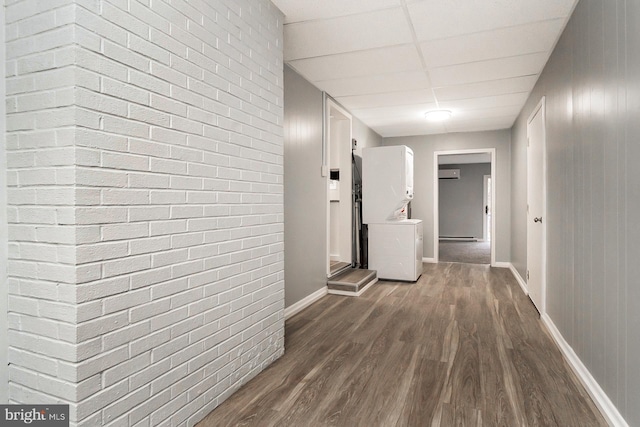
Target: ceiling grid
<point>390,61</point>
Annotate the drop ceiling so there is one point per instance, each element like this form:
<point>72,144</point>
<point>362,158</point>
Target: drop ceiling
<point>390,61</point>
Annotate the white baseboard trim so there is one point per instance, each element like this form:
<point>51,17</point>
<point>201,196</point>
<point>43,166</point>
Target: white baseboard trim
<point>602,401</point>
<point>519,279</point>
<point>353,294</point>
<point>304,303</point>
<point>501,264</point>
<point>429,260</point>
<point>600,398</point>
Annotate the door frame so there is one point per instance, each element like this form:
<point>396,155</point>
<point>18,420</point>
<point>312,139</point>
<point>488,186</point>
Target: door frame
<point>332,104</point>
<point>541,106</point>
<point>486,179</point>
<point>436,197</point>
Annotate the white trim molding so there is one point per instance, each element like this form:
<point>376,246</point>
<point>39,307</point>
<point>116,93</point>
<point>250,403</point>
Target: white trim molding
<point>429,260</point>
<point>330,103</point>
<point>519,279</point>
<point>436,189</point>
<point>600,398</point>
<point>304,303</point>
<point>501,264</point>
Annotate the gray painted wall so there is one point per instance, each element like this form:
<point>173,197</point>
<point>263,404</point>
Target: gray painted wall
<point>422,205</point>
<point>461,201</point>
<point>592,89</point>
<point>365,136</point>
<point>305,193</point>
<point>305,190</point>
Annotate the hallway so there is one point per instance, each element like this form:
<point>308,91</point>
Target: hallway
<point>462,346</point>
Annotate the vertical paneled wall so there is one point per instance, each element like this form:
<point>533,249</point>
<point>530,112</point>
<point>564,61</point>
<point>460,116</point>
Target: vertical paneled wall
<point>145,156</point>
<point>592,89</point>
<point>305,188</point>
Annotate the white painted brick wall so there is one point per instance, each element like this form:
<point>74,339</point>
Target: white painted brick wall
<point>40,166</point>
<point>145,204</point>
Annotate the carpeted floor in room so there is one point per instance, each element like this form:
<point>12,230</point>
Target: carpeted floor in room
<point>465,252</point>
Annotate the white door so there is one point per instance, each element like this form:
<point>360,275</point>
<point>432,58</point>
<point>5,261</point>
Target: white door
<point>535,208</point>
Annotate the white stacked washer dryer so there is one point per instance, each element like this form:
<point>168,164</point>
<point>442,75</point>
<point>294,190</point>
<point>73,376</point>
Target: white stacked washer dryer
<point>395,242</point>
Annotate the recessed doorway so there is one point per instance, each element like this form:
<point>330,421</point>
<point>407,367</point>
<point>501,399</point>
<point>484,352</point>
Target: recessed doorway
<point>339,188</point>
<point>464,200</point>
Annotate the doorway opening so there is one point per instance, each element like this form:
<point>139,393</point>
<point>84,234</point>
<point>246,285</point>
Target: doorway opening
<point>464,202</point>
<point>339,188</point>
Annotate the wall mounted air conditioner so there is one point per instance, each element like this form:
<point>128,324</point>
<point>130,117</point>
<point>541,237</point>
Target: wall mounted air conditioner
<point>449,173</point>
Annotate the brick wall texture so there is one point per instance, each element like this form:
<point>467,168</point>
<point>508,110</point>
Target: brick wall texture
<point>145,204</point>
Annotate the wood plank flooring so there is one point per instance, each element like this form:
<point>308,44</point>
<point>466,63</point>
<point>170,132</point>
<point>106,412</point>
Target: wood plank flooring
<point>336,266</point>
<point>461,347</point>
<point>352,280</point>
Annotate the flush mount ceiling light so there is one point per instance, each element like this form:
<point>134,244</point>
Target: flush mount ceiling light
<point>437,115</point>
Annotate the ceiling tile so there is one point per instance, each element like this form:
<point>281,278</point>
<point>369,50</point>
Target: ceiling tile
<point>480,124</point>
<point>411,129</point>
<point>494,69</point>
<point>376,61</point>
<point>386,115</point>
<point>387,99</point>
<point>479,58</point>
<point>433,20</point>
<point>508,100</point>
<point>308,10</point>
<point>346,34</point>
<point>377,83</point>
<point>489,112</point>
<point>488,88</point>
<point>504,42</point>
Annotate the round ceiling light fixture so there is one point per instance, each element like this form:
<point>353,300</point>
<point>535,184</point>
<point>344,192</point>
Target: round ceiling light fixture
<point>437,115</point>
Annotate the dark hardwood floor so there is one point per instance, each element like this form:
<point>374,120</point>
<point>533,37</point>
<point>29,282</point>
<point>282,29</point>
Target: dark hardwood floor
<point>461,347</point>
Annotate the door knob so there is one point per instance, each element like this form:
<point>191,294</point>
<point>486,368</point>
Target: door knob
<point>537,219</point>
